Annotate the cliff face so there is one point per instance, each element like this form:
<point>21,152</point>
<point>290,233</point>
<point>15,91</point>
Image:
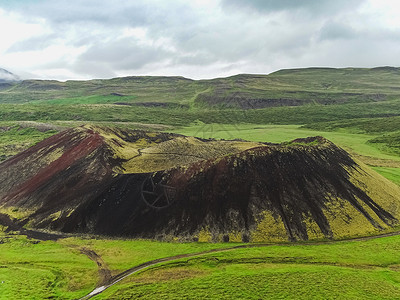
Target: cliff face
<point>166,186</point>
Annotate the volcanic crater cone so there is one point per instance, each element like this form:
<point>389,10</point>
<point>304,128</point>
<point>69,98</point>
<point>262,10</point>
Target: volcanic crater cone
<point>166,186</point>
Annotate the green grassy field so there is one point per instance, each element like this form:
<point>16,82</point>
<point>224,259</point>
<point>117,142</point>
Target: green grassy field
<point>14,139</point>
<point>261,281</point>
<point>32,269</point>
<point>39,270</point>
<point>393,174</point>
<point>184,116</point>
<point>357,109</point>
<point>328,271</point>
<point>281,133</point>
<point>120,254</point>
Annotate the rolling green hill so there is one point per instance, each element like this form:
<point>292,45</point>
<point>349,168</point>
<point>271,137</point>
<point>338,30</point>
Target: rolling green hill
<point>282,88</point>
<point>299,96</point>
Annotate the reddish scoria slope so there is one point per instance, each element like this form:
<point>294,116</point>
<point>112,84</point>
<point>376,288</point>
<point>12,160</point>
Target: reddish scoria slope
<point>88,180</point>
<point>61,173</point>
<point>56,172</point>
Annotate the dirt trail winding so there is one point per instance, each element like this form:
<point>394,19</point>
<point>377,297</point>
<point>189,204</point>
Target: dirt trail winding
<point>104,272</point>
<point>115,279</point>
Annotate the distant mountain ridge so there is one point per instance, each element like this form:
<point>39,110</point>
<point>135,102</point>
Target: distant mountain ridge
<point>290,87</point>
<point>7,76</point>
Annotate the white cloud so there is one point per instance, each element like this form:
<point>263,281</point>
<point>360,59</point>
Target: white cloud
<point>198,39</point>
<point>384,13</point>
<point>14,28</point>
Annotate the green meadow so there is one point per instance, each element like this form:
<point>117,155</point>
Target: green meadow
<point>40,270</point>
<point>320,271</point>
<point>31,269</point>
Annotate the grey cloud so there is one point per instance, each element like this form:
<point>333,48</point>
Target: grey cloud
<point>108,13</point>
<point>6,75</point>
<point>196,59</point>
<point>326,7</point>
<point>93,69</point>
<point>242,39</point>
<point>33,44</point>
<point>121,54</point>
<point>335,30</point>
<point>248,36</point>
<point>332,31</point>
<point>107,18</point>
<point>87,11</point>
<point>356,53</point>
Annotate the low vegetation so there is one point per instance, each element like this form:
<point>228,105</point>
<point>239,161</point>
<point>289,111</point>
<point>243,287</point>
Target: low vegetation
<point>14,138</point>
<point>33,269</point>
<point>327,271</point>
<point>38,270</point>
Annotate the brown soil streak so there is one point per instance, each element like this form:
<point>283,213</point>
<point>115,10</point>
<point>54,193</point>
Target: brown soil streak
<point>85,147</point>
<point>104,271</point>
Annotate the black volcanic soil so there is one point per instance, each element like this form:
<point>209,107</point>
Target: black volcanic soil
<point>291,183</point>
<point>81,192</point>
<point>228,195</point>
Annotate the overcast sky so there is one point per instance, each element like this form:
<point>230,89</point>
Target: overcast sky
<point>82,39</point>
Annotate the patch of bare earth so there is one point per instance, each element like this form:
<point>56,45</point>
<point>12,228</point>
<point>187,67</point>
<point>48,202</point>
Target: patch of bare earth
<point>103,270</point>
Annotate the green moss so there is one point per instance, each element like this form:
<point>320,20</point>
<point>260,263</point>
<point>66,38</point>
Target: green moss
<point>269,228</point>
<point>17,212</point>
<point>300,143</point>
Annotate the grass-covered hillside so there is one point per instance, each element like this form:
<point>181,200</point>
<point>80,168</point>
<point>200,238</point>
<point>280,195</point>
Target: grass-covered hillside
<point>291,87</point>
<point>300,96</point>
